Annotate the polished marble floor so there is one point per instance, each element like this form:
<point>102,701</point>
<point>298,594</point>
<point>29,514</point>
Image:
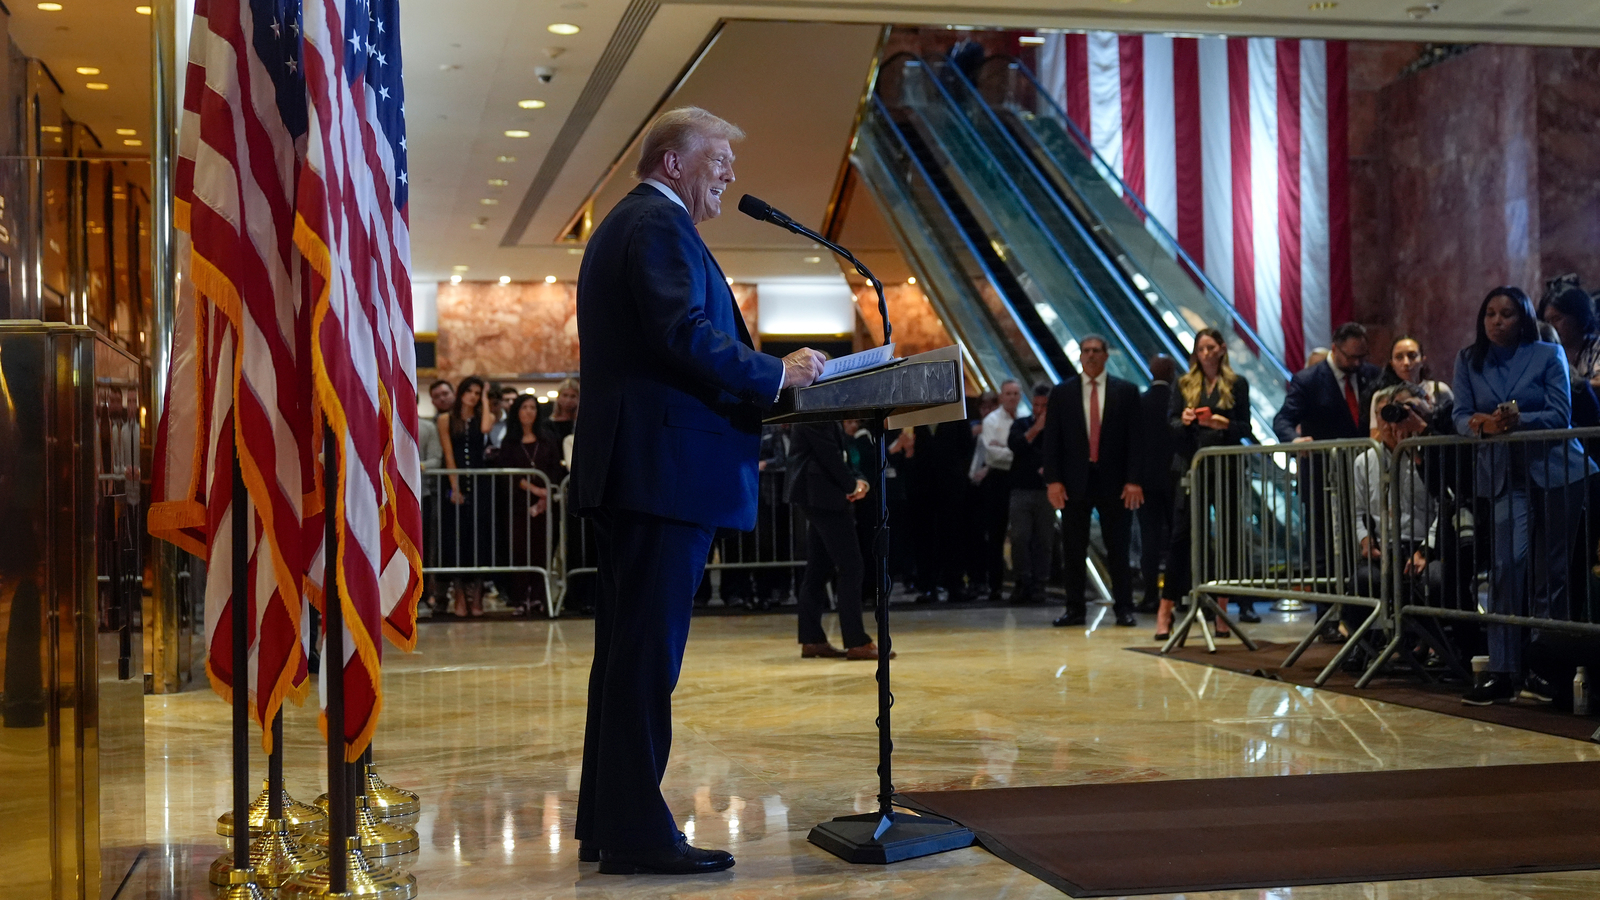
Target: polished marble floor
<point>485,721</point>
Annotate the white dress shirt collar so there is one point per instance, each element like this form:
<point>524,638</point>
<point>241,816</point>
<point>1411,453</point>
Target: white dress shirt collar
<point>671,194</point>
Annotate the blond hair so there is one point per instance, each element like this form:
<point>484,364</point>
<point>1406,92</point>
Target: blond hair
<point>1193,381</point>
<point>679,131</point>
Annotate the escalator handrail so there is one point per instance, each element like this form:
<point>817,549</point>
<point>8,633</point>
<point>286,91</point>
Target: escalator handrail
<point>1084,145</point>
<point>917,168</point>
<point>1158,327</point>
<point>1112,324</point>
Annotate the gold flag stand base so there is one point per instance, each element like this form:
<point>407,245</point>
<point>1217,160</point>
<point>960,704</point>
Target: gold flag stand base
<point>363,880</point>
<point>241,885</point>
<point>385,800</point>
<point>276,855</point>
<point>378,839</point>
<point>300,818</point>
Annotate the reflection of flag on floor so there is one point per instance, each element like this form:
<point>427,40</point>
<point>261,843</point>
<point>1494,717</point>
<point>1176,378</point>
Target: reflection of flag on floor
<point>351,226</point>
<point>240,367</point>
<point>1239,147</point>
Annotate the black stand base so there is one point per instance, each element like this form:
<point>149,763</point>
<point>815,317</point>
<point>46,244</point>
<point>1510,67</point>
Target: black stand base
<point>909,836</point>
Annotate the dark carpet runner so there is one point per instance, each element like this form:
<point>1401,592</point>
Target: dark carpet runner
<point>1163,837</point>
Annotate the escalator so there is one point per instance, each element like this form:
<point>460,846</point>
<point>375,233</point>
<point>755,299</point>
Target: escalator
<point>989,168</point>
<point>1142,252</point>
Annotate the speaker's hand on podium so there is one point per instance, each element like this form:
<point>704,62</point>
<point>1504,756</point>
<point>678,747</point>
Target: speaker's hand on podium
<point>802,367</point>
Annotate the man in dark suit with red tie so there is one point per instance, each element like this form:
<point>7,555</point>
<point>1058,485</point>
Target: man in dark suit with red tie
<point>664,454</point>
<point>1091,464</point>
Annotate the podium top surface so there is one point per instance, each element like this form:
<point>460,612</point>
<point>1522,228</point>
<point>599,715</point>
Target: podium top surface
<point>907,386</point>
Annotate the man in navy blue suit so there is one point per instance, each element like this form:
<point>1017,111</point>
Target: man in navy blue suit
<point>664,454</point>
<point>1325,402</point>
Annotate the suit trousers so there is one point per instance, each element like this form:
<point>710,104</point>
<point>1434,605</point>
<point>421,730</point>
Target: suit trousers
<point>996,493</point>
<point>1155,535</point>
<point>649,568</point>
<point>1533,529</point>
<point>1116,525</point>
<point>831,549</point>
<point>1033,532</point>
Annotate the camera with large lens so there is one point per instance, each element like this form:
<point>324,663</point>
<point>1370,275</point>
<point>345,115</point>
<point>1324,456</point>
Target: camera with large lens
<point>1394,413</point>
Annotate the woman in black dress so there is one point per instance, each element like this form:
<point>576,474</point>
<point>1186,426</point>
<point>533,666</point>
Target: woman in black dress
<point>1210,408</point>
<point>464,432</point>
<point>522,448</point>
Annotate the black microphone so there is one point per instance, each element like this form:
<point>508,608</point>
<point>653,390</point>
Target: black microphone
<point>762,211</point>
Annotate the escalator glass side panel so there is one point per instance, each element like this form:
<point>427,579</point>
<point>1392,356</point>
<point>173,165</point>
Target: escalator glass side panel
<point>953,279</point>
<point>1175,288</point>
<point>1053,288</point>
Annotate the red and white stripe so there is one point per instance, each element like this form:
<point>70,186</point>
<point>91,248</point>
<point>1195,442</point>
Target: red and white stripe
<point>239,362</point>
<point>1238,147</point>
<point>356,239</point>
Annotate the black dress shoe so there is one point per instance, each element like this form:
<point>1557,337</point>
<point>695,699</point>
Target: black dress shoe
<point>1535,688</point>
<point>679,859</point>
<point>1068,619</point>
<point>1497,687</point>
<point>1249,616</point>
<point>1127,620</point>
<point>587,854</point>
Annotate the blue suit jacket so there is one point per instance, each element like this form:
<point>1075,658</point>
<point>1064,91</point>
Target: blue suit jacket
<point>672,390</point>
<point>1536,377</point>
<point>1315,403</point>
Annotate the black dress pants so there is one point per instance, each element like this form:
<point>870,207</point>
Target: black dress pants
<point>1116,523</point>
<point>1155,535</point>
<point>996,493</point>
<point>831,549</point>
<point>649,568</point>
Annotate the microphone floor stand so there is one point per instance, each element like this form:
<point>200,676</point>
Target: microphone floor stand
<point>888,835</point>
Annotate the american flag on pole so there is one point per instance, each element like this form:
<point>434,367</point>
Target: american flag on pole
<point>1239,147</point>
<point>240,371</point>
<point>351,225</point>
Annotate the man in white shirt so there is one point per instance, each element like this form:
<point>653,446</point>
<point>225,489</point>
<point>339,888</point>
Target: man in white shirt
<point>995,489</point>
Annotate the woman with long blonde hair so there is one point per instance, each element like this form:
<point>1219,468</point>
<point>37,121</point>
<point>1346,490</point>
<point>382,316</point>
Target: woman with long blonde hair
<point>1210,408</point>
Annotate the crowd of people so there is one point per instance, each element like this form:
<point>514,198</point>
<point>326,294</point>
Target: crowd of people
<point>1002,505</point>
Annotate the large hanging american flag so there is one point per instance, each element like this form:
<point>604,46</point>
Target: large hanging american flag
<point>240,372</point>
<point>1238,146</point>
<point>352,227</point>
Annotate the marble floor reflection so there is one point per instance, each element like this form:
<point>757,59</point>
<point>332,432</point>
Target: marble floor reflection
<point>485,721</point>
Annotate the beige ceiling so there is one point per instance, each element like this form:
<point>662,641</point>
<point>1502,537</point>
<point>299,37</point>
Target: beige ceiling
<point>468,62</point>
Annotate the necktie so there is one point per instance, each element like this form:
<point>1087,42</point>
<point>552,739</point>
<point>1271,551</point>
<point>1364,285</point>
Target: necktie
<point>1350,399</point>
<point>1094,420</point>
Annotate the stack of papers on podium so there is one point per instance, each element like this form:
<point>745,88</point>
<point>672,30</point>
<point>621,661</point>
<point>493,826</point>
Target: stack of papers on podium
<point>856,363</point>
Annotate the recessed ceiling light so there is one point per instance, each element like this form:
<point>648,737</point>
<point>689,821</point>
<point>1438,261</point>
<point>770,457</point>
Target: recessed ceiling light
<point>562,28</point>
<point>127,131</point>
<point>459,268</point>
<point>142,10</point>
<point>1323,5</point>
<point>812,259</point>
<point>516,133</point>
<point>50,7</point>
<point>489,201</point>
<point>479,225</point>
<point>1031,39</point>
<point>1223,4</point>
<point>455,279</point>
<point>1423,11</point>
<point>911,280</point>
<point>531,104</point>
<point>133,142</point>
<point>506,159</point>
<point>98,86</point>
<point>505,279</point>
<point>549,279</point>
<point>88,70</point>
<point>52,129</point>
<point>730,282</point>
<point>498,182</point>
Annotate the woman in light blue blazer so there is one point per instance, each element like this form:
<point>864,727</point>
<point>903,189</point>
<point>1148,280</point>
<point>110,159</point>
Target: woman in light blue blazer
<point>1509,380</point>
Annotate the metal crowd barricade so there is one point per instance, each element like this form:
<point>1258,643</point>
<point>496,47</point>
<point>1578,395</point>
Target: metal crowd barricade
<point>1515,533</point>
<point>492,530</point>
<point>1276,521</point>
<point>757,559</point>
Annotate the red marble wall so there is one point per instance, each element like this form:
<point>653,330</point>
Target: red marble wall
<point>497,330</point>
<point>917,327</point>
<point>1473,173</point>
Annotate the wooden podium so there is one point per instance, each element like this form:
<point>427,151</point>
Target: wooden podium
<point>919,390</point>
